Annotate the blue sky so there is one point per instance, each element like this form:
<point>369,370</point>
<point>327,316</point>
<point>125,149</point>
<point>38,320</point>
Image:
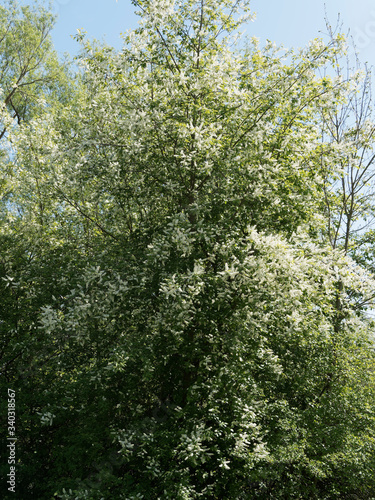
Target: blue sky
<point>287,22</point>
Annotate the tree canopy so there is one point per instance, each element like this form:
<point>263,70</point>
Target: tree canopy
<point>186,266</point>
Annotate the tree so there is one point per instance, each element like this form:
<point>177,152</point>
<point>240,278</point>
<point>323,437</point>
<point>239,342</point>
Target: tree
<point>28,66</point>
<point>31,80</point>
<point>189,336</point>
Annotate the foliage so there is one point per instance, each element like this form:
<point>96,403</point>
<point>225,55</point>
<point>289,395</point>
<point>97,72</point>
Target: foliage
<point>175,317</point>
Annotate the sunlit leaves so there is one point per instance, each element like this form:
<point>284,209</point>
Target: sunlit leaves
<point>191,331</point>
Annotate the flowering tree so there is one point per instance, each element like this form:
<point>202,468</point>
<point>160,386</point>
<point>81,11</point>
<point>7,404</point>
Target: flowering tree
<point>192,343</point>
